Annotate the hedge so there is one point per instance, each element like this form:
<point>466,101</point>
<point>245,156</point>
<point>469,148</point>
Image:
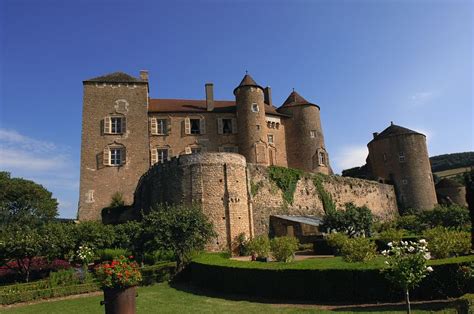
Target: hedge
<point>327,285</point>
<point>42,289</point>
<point>465,304</point>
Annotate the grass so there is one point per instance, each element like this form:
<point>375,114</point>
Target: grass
<point>162,298</point>
<point>220,259</point>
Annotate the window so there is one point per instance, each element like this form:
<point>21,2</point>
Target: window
<point>228,149</point>
<point>161,126</point>
<point>322,158</point>
<point>114,125</point>
<point>117,156</point>
<point>195,150</point>
<point>195,129</point>
<point>194,126</point>
<point>226,126</point>
<point>162,155</point>
<point>401,157</point>
<point>312,133</point>
<point>255,107</point>
<point>270,138</point>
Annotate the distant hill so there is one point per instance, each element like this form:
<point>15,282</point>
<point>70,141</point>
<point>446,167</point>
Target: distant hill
<point>452,161</point>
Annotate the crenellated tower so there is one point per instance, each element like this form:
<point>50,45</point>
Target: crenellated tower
<point>304,135</point>
<point>251,121</point>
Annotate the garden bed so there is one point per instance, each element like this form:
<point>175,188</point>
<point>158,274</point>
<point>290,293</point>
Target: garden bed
<point>325,279</point>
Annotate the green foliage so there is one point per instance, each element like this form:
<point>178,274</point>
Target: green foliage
<point>158,256</point>
<point>179,228</point>
<point>259,246</point>
<point>337,240</point>
<point>242,244</point>
<point>158,273</point>
<point>453,216</point>
<point>130,236</point>
<point>354,221</point>
<point>411,223</point>
<point>24,202</point>
<point>328,204</point>
<point>93,234</point>
<point>120,273</point>
<point>358,250</point>
<point>451,161</point>
<point>117,200</point>
<point>286,179</point>
<point>111,254</point>
<point>443,242</point>
<point>255,187</point>
<point>283,248</point>
<point>391,235</point>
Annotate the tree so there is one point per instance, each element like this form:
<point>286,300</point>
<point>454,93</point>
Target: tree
<point>354,221</point>
<point>179,228</point>
<point>24,202</point>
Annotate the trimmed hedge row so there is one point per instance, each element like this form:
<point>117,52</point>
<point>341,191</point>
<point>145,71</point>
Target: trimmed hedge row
<point>41,289</point>
<point>323,285</point>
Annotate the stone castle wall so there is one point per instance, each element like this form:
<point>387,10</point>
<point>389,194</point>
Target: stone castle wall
<point>223,184</point>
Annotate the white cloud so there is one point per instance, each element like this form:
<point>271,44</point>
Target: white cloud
<point>27,160</point>
<point>349,157</point>
<point>13,138</point>
<point>422,98</point>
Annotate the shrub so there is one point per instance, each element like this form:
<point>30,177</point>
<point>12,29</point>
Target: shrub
<point>111,254</point>
<point>259,246</point>
<point>411,223</point>
<point>453,216</point>
<point>354,221</point>
<point>284,248</point>
<point>157,256</point>
<point>443,242</point>
<point>391,235</point>
<point>337,241</point>
<point>242,244</point>
<point>117,200</point>
<point>358,250</point>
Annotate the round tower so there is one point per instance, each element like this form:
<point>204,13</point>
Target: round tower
<point>450,191</point>
<point>400,156</point>
<point>250,106</point>
<point>304,135</point>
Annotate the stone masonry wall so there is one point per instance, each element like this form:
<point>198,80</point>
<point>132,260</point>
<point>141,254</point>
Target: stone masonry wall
<point>268,199</point>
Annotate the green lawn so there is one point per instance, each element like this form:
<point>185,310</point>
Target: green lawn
<point>220,259</point>
<point>162,298</point>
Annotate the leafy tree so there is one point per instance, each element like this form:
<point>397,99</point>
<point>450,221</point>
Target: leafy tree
<point>93,234</point>
<point>130,236</point>
<point>453,216</point>
<point>354,221</point>
<point>179,228</point>
<point>25,202</point>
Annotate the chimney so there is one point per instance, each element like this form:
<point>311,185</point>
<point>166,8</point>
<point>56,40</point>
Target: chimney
<point>144,75</point>
<point>375,134</point>
<point>268,95</point>
<point>210,96</point>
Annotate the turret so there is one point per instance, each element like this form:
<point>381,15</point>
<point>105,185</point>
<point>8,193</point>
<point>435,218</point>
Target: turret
<point>304,135</point>
<point>400,156</point>
<point>250,106</point>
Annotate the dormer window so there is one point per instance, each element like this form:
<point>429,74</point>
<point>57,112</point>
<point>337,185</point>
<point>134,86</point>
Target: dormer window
<point>255,107</point>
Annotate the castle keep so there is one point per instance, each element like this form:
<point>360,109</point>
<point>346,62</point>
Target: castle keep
<point>216,153</point>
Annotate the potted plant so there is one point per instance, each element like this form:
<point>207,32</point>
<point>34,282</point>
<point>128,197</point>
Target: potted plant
<point>118,280</point>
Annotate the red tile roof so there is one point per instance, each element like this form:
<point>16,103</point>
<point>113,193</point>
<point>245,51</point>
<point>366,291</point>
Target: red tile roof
<point>193,105</point>
<point>296,99</point>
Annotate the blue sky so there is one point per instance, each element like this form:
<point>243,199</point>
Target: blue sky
<point>365,63</point>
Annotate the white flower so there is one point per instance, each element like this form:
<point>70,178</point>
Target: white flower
<point>390,244</point>
<point>427,255</point>
<point>422,241</point>
<point>429,268</point>
<point>411,249</point>
<point>386,262</point>
<point>384,252</point>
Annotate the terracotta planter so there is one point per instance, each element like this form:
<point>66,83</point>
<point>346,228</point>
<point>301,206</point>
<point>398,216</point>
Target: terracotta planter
<point>120,301</point>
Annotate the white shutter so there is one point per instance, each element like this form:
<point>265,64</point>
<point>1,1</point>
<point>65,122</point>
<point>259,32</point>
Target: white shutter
<point>124,125</point>
<point>168,126</point>
<point>123,161</point>
<point>219,126</point>
<point>187,150</point>
<point>106,156</point>
<point>234,126</point>
<point>153,126</point>
<point>187,126</point>
<point>202,126</point>
<point>107,125</point>
<point>170,153</point>
<point>221,149</point>
<point>154,156</point>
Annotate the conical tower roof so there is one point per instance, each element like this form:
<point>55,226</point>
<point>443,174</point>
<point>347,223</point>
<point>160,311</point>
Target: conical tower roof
<point>248,81</point>
<point>394,130</point>
<point>295,99</point>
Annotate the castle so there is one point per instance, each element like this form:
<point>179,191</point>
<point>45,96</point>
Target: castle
<point>216,153</point>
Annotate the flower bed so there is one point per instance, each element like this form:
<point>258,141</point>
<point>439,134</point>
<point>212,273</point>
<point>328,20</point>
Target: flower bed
<point>348,282</point>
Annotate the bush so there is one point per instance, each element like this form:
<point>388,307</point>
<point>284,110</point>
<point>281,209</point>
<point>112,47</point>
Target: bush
<point>111,254</point>
<point>284,248</point>
<point>158,273</point>
<point>354,221</point>
<point>259,246</point>
<point>158,256</point>
<point>337,241</point>
<point>391,235</point>
<point>453,216</point>
<point>358,250</point>
<point>411,223</point>
<point>443,242</point>
<point>242,244</point>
